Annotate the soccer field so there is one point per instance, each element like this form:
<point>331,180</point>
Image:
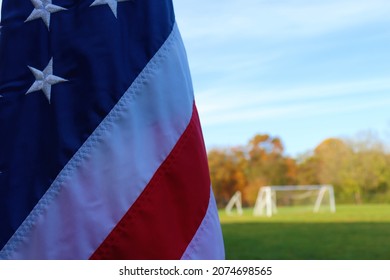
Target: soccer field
<point>352,233</point>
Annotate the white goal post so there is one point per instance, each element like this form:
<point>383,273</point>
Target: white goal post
<point>266,198</point>
<point>234,201</point>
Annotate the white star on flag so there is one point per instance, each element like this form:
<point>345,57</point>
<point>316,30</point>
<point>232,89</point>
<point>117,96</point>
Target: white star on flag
<point>44,80</point>
<point>112,3</point>
<point>43,9</point>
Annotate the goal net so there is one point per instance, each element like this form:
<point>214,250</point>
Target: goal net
<point>266,202</point>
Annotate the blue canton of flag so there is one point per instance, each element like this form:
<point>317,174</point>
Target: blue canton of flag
<point>101,150</point>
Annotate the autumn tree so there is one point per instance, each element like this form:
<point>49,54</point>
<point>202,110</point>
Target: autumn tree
<point>333,161</point>
<point>267,164</point>
<point>358,169</point>
<point>307,168</point>
<point>227,171</point>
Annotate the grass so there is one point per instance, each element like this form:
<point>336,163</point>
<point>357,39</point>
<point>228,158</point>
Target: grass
<point>352,233</point>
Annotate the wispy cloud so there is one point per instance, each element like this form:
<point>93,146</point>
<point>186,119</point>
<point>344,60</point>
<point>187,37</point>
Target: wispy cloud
<point>306,101</point>
<point>258,41</point>
<point>261,59</point>
<point>290,112</point>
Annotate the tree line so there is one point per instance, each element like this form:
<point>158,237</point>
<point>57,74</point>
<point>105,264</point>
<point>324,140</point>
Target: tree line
<point>359,170</point>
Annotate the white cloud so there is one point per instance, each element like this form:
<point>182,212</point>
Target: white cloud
<point>232,43</point>
<point>232,105</point>
<point>253,43</point>
<point>289,112</point>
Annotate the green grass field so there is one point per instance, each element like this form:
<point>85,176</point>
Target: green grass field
<point>352,233</point>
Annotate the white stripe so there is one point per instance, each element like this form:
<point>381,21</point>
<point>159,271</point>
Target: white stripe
<point>207,243</point>
<point>100,183</point>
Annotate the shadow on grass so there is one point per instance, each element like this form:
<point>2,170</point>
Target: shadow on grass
<point>307,241</point>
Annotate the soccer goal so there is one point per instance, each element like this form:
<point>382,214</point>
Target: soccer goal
<point>266,201</point>
<point>234,201</point>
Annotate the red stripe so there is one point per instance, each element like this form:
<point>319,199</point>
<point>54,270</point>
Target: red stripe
<point>165,217</point>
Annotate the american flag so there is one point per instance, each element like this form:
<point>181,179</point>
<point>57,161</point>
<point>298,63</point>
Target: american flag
<point>101,149</point>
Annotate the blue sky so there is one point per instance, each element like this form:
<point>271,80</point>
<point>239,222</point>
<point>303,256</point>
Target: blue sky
<point>302,70</point>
